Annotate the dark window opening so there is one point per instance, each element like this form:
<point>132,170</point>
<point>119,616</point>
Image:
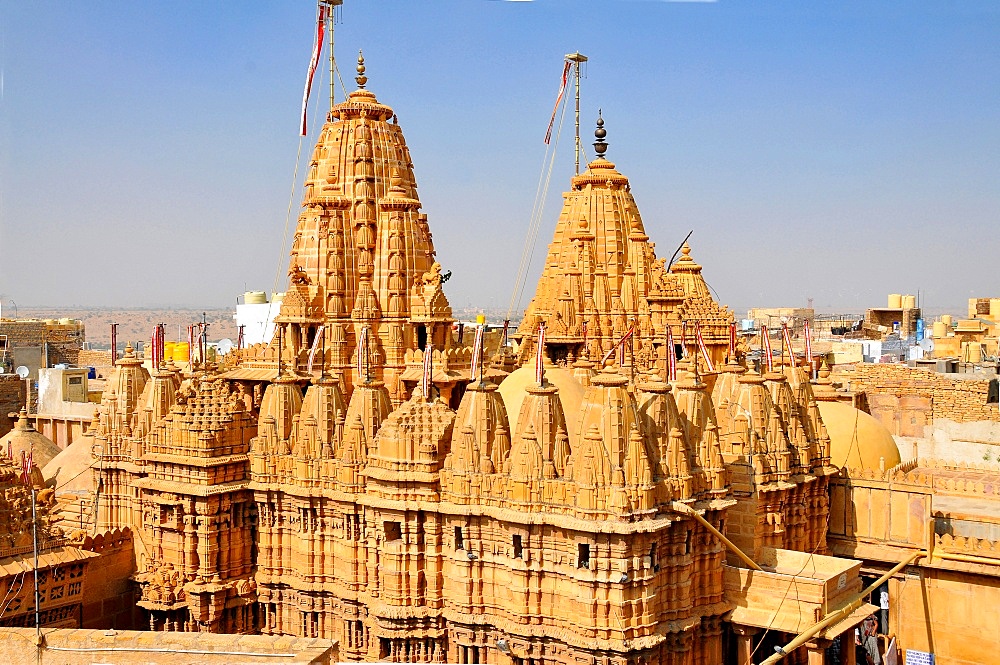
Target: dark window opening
<point>393,531</point>
<point>653,562</point>
<point>678,351</point>
<point>421,336</point>
<point>518,548</point>
<point>583,556</point>
<point>459,541</point>
<point>687,542</point>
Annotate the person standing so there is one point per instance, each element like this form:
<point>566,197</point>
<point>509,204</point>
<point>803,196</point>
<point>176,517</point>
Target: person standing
<point>870,642</point>
<point>883,613</point>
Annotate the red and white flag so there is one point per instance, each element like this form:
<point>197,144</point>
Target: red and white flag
<point>476,370</point>
<point>540,356</point>
<point>426,377</point>
<point>704,349</point>
<point>313,62</point>
<point>620,344</point>
<point>732,342</point>
<point>786,339</point>
<point>766,342</point>
<point>315,346</point>
<point>362,368</point>
<point>25,468</point>
<point>562,89</point>
<point>809,344</point>
<point>154,344</point>
<point>671,356</point>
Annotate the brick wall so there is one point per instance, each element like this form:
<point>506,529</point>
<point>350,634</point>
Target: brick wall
<point>64,339</point>
<point>11,399</point>
<point>961,400</point>
<point>93,358</point>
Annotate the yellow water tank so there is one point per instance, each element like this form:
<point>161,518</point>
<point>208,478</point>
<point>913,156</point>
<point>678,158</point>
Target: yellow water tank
<point>909,302</point>
<point>255,298</point>
<point>895,301</point>
<point>946,319</point>
<point>168,350</point>
<point>972,352</point>
<point>940,330</point>
<point>180,352</point>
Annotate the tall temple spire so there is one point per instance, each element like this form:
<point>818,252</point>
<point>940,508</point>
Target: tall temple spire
<point>362,255</point>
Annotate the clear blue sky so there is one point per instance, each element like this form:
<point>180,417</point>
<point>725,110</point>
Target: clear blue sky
<point>839,151</point>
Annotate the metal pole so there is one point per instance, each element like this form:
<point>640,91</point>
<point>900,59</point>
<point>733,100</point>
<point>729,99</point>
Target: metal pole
<point>34,537</point>
<point>330,9</point>
<point>577,118</point>
<point>842,613</point>
<point>688,510</point>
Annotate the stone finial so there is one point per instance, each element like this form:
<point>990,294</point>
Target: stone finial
<point>600,145</point>
<point>361,78</point>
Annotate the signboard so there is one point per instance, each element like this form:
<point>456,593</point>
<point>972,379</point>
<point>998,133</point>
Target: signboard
<point>914,657</point>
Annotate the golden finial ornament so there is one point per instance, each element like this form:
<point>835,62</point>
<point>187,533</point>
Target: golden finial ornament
<point>600,145</point>
<point>361,78</point>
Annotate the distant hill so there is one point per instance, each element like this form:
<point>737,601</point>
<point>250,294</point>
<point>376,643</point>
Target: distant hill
<point>137,324</point>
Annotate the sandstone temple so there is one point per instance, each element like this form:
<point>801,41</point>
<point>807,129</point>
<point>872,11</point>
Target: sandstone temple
<point>619,484</point>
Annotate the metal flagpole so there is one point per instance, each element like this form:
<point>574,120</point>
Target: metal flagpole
<point>577,58</point>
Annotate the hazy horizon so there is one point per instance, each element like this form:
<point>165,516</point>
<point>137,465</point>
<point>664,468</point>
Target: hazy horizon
<point>838,153</point>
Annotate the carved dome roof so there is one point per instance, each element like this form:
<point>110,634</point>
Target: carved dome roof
<point>25,438</point>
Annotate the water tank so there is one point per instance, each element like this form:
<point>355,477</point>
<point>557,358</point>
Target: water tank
<point>168,350</point>
<point>946,319</point>
<point>909,302</point>
<point>895,301</point>
<point>65,322</point>
<point>180,352</point>
<point>940,330</point>
<point>255,297</point>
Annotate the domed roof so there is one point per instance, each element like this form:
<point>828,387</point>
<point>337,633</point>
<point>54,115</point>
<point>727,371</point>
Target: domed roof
<point>68,470</point>
<point>857,440</point>
<point>513,389</point>
<point>25,438</point>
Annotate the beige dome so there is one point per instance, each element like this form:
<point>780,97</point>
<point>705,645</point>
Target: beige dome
<point>68,471</point>
<point>24,437</point>
<point>857,440</point>
<point>512,390</point>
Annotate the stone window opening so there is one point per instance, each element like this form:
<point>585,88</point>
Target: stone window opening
<point>459,540</point>
<point>393,531</point>
<point>653,561</point>
<point>687,542</point>
<point>518,547</point>
<point>583,555</point>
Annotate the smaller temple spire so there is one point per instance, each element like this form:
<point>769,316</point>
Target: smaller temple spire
<point>361,78</point>
<point>600,145</point>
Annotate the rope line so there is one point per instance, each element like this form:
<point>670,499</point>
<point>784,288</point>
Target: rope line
<point>537,210</point>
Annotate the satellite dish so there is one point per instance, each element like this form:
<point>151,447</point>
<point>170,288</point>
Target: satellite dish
<point>927,344</point>
<point>22,371</point>
<point>224,346</point>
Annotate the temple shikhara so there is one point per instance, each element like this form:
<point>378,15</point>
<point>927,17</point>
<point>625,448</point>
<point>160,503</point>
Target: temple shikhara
<point>616,482</point>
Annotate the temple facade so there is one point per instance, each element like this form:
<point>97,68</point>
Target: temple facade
<point>367,478</point>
